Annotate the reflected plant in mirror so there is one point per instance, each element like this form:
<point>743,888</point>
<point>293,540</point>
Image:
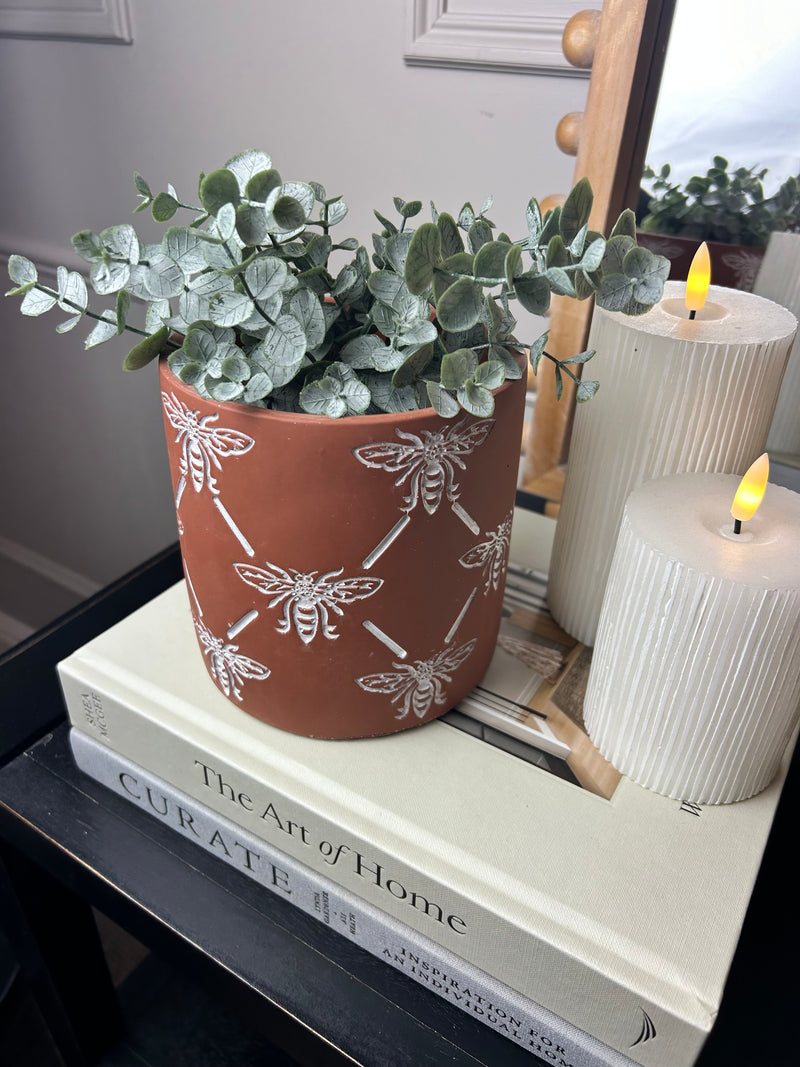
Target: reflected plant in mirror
<point>246,303</point>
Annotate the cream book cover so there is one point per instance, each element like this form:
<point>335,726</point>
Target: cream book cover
<point>619,913</point>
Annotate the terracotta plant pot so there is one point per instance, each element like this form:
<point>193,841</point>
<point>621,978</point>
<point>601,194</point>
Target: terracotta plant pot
<point>345,575</point>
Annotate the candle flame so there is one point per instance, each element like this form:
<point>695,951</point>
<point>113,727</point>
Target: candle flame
<point>751,489</point>
<point>698,279</point>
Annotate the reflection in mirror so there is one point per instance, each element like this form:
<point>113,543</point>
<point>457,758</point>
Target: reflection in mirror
<point>731,88</point>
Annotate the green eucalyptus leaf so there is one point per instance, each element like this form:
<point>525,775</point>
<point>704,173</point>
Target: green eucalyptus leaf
<point>285,343</point>
<point>537,350</point>
<point>219,188</point>
<point>158,311</point>
<point>109,277</point>
<point>466,217</point>
<point>459,263</point>
<point>476,399</point>
<point>461,305</point>
<point>223,390</point>
<point>625,226</point>
<point>418,333</point>
<point>560,281</point>
<point>183,245</point>
<point>575,210</point>
<point>444,404</point>
<point>265,277</point>
<point>122,308</point>
<point>396,250</point>
<point>559,381</point>
<point>411,208</point>
<point>65,327</point>
<point>533,217</point>
<point>72,292</point>
<point>251,224</point>
<point>260,185</point>
<point>616,250</point>
<point>121,243</point>
<point>424,255</point>
<point>288,214</point>
<point>550,227</point>
<point>335,211</point>
<point>386,286</point>
<point>490,374</point>
<point>386,396</point>
<point>490,260</point>
<point>35,302</point>
<point>452,242</point>
<point>557,252</point>
<point>512,267</point>
<point>358,352</point>
<point>615,292</point>
<point>533,292</point>
<point>21,270</point>
<point>141,185</point>
<point>586,390</point>
<point>581,357</point>
<point>147,350</point>
<point>230,309</point>
<point>87,245</point>
<point>103,330</point>
<point>245,165</point>
<point>258,387</point>
<point>305,307</point>
<point>165,278</point>
<point>480,233</point>
<point>458,367</point>
<point>164,207</point>
<point>510,362</point>
<point>415,363</point>
<point>236,368</point>
<point>593,255</point>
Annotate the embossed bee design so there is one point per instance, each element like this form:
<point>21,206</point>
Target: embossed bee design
<point>427,461</point>
<point>307,598</point>
<point>203,444</point>
<point>227,665</point>
<point>491,555</point>
<point>415,687</point>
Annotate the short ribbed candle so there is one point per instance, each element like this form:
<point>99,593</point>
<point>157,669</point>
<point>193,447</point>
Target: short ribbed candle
<point>694,688</point>
<point>675,395</point>
<point>779,280</point>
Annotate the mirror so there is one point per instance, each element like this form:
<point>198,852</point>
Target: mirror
<point>731,87</point>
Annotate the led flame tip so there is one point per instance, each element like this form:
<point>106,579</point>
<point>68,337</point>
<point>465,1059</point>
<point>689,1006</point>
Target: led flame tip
<point>751,489</point>
<point>698,279</point>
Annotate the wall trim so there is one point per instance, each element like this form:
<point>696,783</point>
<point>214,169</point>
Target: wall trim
<point>525,38</point>
<point>47,568</point>
<point>104,21</point>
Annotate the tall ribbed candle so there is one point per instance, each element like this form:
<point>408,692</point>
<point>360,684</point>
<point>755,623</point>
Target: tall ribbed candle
<point>675,395</point>
<point>779,280</point>
<point>694,688</point>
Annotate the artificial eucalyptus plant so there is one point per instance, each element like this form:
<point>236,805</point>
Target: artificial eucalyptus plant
<point>245,300</point>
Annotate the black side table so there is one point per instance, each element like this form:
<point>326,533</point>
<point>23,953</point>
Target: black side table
<point>67,844</point>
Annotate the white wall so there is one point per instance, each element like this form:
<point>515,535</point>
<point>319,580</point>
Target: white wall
<point>322,86</point>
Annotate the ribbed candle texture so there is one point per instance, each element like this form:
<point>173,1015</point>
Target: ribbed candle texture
<point>694,687</point>
<point>779,280</point>
<point>675,395</point>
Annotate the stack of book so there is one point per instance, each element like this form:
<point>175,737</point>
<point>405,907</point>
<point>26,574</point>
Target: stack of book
<point>492,855</point>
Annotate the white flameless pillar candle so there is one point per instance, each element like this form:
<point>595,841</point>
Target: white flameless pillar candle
<point>675,395</point>
<point>779,280</point>
<point>694,687</point>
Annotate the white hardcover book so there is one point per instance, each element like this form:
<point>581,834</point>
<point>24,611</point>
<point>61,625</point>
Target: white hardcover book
<point>619,915</point>
<point>479,995</point>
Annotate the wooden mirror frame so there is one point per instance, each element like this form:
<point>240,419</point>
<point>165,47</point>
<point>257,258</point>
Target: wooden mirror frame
<point>630,42</point>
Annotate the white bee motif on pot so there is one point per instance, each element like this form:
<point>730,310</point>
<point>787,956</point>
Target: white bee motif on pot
<point>491,555</point>
<point>227,665</point>
<point>203,444</point>
<point>419,685</point>
<point>307,597</point>
<point>428,461</point>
